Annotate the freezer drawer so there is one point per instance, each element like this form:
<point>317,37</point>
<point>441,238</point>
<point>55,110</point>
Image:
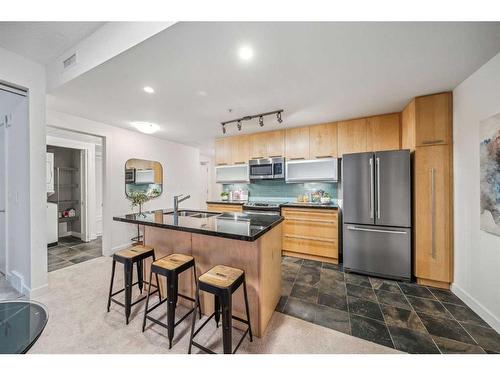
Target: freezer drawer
<point>376,250</point>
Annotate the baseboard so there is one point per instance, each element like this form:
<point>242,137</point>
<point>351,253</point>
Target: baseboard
<point>34,293</point>
<point>16,280</point>
<point>478,308</point>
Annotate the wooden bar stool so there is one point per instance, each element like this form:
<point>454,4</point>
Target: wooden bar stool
<point>129,257</point>
<point>222,282</point>
<point>171,267</point>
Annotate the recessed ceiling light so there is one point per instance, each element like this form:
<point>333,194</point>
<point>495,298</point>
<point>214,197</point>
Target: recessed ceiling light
<point>149,89</point>
<point>202,93</point>
<point>146,127</point>
<point>245,53</point>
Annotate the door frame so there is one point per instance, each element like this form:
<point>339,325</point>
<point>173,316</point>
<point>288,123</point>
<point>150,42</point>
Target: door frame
<point>87,169</point>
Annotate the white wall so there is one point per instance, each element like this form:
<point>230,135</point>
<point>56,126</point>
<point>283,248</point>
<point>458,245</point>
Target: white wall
<point>180,172</point>
<point>477,254</point>
<point>27,255</point>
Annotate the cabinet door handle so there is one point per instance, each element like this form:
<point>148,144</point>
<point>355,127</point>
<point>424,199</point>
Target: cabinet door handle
<point>240,162</point>
<point>274,156</point>
<point>324,156</point>
<point>378,188</point>
<point>257,157</point>
<point>372,198</point>
<point>432,142</point>
<point>221,163</point>
<point>294,158</point>
<point>433,214</point>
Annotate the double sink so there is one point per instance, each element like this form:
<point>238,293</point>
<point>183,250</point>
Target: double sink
<point>193,214</point>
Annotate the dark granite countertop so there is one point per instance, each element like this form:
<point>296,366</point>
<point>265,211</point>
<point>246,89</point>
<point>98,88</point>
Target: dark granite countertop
<point>237,226</point>
<point>227,202</point>
<point>310,205</point>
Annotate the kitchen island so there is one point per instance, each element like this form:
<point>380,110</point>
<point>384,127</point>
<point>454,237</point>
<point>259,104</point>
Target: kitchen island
<point>251,242</point>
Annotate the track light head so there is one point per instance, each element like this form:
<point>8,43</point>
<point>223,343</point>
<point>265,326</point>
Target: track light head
<point>278,117</point>
<point>261,121</point>
<point>223,128</point>
<point>239,125</point>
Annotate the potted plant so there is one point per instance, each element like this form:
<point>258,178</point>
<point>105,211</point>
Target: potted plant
<point>138,198</point>
<point>326,198</point>
<point>224,196</point>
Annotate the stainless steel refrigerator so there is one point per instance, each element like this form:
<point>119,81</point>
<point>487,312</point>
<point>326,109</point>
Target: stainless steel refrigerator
<point>377,213</point>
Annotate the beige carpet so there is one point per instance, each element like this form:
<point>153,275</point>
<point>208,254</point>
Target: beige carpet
<point>78,323</point>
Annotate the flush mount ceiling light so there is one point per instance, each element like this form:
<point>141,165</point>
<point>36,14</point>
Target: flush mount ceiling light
<point>247,118</point>
<point>146,127</point>
<point>245,53</point>
<point>149,89</point>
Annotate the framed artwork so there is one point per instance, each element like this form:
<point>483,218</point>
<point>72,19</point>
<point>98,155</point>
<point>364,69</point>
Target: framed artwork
<point>489,151</point>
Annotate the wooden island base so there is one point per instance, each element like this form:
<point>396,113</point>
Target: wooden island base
<point>260,259</point>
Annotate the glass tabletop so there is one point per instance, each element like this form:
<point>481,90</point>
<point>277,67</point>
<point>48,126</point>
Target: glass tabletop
<point>21,323</point>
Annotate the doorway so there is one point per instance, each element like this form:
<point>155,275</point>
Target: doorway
<point>74,198</point>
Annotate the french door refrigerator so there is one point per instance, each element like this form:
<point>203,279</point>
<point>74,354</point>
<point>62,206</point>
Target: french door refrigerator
<point>377,213</point>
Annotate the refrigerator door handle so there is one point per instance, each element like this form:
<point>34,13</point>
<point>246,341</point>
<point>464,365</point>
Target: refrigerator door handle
<point>372,198</point>
<point>351,227</point>
<point>378,187</point>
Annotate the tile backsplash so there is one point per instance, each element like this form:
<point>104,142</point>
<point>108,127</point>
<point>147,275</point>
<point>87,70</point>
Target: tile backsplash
<point>279,190</point>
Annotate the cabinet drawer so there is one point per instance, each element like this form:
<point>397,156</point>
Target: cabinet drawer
<point>319,215</point>
<point>225,207</point>
<point>303,244</point>
<point>313,228</point>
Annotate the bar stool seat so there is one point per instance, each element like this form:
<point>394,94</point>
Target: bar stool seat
<point>222,281</point>
<point>128,257</point>
<point>221,276</point>
<point>171,267</point>
<point>173,261</point>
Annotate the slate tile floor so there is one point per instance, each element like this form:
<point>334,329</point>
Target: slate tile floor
<point>404,316</point>
<point>72,250</point>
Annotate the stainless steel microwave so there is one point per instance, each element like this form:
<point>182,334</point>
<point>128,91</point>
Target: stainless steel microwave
<point>130,176</point>
<point>267,169</point>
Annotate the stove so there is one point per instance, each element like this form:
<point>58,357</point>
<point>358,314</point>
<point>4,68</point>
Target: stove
<point>271,208</point>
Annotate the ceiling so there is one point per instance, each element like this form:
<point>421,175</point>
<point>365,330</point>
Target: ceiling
<point>44,41</point>
<point>316,72</point>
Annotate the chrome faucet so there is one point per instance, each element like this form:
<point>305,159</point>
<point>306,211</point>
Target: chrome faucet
<point>178,199</point>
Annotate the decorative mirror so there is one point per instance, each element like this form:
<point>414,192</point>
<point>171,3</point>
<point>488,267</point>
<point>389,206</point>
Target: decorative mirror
<point>143,177</point>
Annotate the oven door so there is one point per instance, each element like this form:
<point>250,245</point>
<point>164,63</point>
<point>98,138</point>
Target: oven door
<point>261,169</point>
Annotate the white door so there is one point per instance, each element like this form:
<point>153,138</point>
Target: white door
<point>3,193</point>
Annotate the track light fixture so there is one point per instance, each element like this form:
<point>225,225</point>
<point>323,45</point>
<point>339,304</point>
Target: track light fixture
<point>278,117</point>
<point>246,118</point>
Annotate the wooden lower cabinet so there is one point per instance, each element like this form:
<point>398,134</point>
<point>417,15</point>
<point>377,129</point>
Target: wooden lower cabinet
<point>222,207</point>
<point>311,234</point>
<point>433,200</point>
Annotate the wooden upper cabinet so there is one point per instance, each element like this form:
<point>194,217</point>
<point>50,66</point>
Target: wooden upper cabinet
<point>323,140</point>
<point>275,142</point>
<point>297,143</point>
<point>408,126</point>
<point>223,151</point>
<point>258,145</point>
<point>352,136</point>
<point>433,119</point>
<point>433,214</point>
<point>240,149</point>
<point>383,133</point>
